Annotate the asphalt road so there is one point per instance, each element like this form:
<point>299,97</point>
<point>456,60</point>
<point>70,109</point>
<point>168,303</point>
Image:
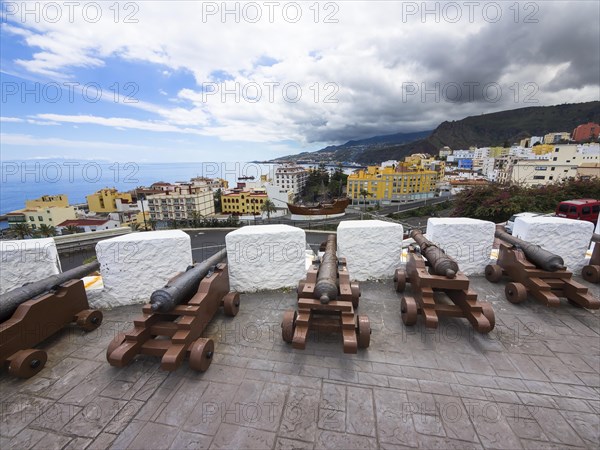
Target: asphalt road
<point>205,243</point>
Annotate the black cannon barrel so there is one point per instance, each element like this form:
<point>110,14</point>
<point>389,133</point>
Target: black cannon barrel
<point>182,288</point>
<point>10,301</point>
<point>326,288</point>
<point>441,264</point>
<point>542,258</point>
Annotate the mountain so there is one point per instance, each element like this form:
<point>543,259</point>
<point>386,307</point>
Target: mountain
<point>352,150</point>
<point>493,129</point>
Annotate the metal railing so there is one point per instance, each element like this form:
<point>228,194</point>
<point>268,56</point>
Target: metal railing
<point>81,241</point>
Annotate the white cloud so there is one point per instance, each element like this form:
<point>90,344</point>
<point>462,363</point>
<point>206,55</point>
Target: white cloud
<point>117,122</point>
<point>11,119</point>
<point>367,54</point>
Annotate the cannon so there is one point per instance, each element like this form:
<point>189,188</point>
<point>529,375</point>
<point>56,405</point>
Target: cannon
<point>591,272</point>
<point>326,303</point>
<point>176,316</point>
<point>35,311</point>
<point>439,262</point>
<point>539,256</point>
<point>536,271</point>
<point>436,278</point>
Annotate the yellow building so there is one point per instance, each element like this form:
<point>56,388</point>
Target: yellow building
<point>243,202</point>
<point>103,201</point>
<point>392,184</point>
<point>542,149</point>
<point>423,161</point>
<point>497,152</point>
<point>46,201</point>
<point>35,217</point>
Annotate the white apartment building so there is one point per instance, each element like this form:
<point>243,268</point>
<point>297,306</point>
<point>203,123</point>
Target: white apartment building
<point>481,153</point>
<point>181,203</point>
<point>291,177</point>
<point>561,164</point>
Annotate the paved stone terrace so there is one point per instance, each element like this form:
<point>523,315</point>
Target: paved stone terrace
<point>534,382</point>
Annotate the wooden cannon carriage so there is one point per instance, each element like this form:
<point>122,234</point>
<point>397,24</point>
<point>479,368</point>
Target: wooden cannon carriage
<point>536,271</point>
<point>591,272</point>
<point>326,303</point>
<point>173,322</point>
<point>34,312</point>
<point>431,275</point>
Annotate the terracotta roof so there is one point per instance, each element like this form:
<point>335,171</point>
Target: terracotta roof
<point>83,222</point>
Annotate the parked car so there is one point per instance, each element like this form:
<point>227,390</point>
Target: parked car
<point>579,209</point>
<point>510,223</point>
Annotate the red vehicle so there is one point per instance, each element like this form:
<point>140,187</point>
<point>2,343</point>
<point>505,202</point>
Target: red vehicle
<point>580,209</point>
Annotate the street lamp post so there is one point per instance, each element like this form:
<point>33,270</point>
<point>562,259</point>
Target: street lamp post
<point>143,213</point>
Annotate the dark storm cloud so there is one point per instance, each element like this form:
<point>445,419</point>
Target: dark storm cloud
<point>519,58</point>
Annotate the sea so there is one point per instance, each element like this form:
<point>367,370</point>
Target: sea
<point>26,180</point>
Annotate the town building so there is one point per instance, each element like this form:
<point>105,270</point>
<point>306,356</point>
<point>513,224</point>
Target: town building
<point>88,225</point>
<point>587,171</point>
<point>180,202</point>
<point>497,152</point>
<point>212,183</point>
<point>104,201</point>
<point>47,210</point>
<point>561,164</point>
<point>279,196</point>
<point>557,137</point>
<point>586,132</point>
<point>60,200</point>
<point>444,152</point>
<point>391,184</point>
<point>531,141</point>
<point>244,201</point>
<point>291,177</point>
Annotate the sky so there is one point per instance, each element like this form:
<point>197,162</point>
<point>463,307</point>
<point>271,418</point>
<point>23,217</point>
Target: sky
<point>153,81</point>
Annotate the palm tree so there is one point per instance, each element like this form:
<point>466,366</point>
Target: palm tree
<point>22,230</point>
<point>73,229</point>
<point>134,226</point>
<point>269,207</point>
<point>364,194</point>
<point>47,230</point>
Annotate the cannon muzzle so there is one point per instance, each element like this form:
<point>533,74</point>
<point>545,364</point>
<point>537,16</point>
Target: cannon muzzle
<point>440,263</point>
<point>537,255</point>
<point>10,301</point>
<point>185,285</point>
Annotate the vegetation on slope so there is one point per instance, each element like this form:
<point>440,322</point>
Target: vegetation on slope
<point>497,203</point>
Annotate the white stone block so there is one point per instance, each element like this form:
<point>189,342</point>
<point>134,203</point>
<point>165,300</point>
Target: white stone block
<point>568,238</point>
<point>468,241</point>
<point>136,264</point>
<point>265,257</point>
<point>372,248</point>
<point>597,231</point>
<point>26,261</point>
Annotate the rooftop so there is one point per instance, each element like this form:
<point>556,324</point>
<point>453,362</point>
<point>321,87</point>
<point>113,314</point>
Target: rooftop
<point>533,382</point>
<point>83,222</point>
